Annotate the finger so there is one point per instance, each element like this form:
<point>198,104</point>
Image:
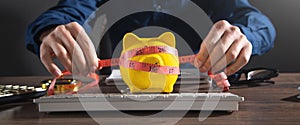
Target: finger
<point>230,56</point>
<point>74,52</point>
<point>208,45</point>
<point>66,38</point>
<point>215,34</point>
<point>46,58</point>
<point>79,61</point>
<point>223,47</point>
<point>62,55</point>
<point>242,59</point>
<point>85,44</point>
<point>201,57</point>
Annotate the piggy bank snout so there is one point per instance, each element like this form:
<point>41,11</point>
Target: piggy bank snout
<point>152,59</point>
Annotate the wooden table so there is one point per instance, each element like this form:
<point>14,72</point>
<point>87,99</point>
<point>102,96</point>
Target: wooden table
<point>273,104</point>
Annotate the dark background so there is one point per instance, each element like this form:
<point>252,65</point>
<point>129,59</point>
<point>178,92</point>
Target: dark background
<point>17,14</point>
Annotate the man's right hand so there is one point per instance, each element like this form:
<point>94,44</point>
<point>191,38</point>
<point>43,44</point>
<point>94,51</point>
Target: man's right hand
<point>71,45</point>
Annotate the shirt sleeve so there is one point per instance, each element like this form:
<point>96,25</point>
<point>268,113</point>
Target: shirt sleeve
<point>253,23</point>
<point>64,12</point>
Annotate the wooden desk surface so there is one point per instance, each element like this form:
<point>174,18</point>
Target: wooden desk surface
<point>274,104</point>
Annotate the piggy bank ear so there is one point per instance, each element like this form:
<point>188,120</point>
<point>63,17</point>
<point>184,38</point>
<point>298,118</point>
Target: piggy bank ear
<point>168,38</point>
<point>129,40</point>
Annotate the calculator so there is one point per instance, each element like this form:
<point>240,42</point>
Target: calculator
<point>16,93</point>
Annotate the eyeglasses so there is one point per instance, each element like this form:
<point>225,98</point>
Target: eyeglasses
<point>253,77</point>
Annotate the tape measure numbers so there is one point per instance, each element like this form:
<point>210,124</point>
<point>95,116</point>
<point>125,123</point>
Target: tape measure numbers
<point>141,66</point>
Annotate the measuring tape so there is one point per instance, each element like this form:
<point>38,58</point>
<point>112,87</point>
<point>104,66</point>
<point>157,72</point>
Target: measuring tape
<point>220,79</point>
<point>125,61</point>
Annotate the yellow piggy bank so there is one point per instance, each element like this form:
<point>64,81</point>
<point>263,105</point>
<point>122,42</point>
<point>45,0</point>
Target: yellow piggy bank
<point>147,81</point>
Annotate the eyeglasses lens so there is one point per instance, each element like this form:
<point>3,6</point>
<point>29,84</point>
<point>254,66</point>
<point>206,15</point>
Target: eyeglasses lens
<point>260,75</point>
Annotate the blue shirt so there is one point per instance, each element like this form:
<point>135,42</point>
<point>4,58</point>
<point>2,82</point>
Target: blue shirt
<point>255,25</point>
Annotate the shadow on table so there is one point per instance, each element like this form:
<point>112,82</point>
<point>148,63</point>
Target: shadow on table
<point>8,106</point>
<point>291,98</point>
<point>250,85</point>
<point>116,114</point>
